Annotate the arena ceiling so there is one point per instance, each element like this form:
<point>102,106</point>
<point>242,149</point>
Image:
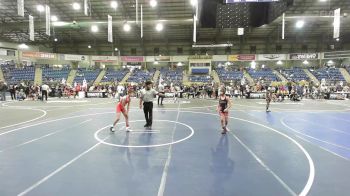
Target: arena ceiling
<point>175,15</point>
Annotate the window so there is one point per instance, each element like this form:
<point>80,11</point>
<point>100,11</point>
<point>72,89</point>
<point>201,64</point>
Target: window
<point>252,49</point>
<point>278,48</point>
<point>133,51</point>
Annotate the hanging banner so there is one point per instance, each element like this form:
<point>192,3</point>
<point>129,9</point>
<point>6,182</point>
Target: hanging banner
<point>336,23</point>
<point>162,58</point>
<point>241,57</point>
<point>48,20</point>
<point>240,31</point>
<point>38,55</point>
<point>141,22</point>
<point>110,29</point>
<point>31,28</point>
<point>137,12</point>
<point>196,57</point>
<point>271,57</point>
<point>72,57</point>
<point>283,24</point>
<point>20,7</point>
<point>104,58</point>
<point>337,55</point>
<point>3,52</point>
<point>86,7</point>
<point>132,58</point>
<point>303,56</point>
<point>194,29</point>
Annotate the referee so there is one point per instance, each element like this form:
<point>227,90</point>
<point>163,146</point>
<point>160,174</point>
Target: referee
<point>147,96</point>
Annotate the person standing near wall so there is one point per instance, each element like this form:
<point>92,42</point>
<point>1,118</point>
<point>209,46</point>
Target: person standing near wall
<point>161,90</point>
<point>3,89</point>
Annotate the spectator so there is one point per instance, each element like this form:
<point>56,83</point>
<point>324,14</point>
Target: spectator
<point>3,89</point>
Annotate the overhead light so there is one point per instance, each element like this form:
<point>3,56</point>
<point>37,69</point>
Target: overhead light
<point>153,3</point>
<point>76,6</point>
<point>94,28</point>
<point>279,62</point>
<point>330,62</point>
<point>337,39</point>
<point>126,27</point>
<point>55,39</point>
<point>60,23</point>
<point>23,46</point>
<point>114,4</point>
<point>40,8</point>
<point>179,64</point>
<point>194,2</point>
<point>89,46</point>
<point>54,18</point>
<point>159,27</point>
<point>156,62</point>
<point>305,62</point>
<point>323,0</point>
<point>299,24</point>
<point>115,49</point>
<point>212,46</point>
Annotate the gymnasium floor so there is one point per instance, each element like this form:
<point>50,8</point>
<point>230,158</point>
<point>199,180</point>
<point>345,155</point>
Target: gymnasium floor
<point>64,147</point>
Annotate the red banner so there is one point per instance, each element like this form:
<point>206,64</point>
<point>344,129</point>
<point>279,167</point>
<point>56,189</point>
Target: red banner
<point>38,55</point>
<point>132,58</point>
<point>241,57</point>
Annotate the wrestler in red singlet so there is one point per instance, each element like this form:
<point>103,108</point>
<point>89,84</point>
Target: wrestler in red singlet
<point>123,102</point>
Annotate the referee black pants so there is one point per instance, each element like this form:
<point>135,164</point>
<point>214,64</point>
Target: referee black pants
<point>43,93</point>
<point>148,110</point>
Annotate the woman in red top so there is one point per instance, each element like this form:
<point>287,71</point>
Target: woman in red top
<point>223,108</point>
<point>123,102</point>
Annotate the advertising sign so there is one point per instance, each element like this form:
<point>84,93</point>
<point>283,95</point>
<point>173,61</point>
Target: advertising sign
<point>241,57</point>
<point>132,58</point>
<point>271,57</point>
<point>303,56</point>
<point>38,55</point>
<point>104,58</point>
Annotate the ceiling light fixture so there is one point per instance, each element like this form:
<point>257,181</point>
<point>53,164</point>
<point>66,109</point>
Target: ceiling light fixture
<point>89,46</point>
<point>153,3</point>
<point>94,28</point>
<point>194,2</point>
<point>126,27</point>
<point>40,8</point>
<point>54,18</point>
<point>76,6</point>
<point>299,24</point>
<point>23,46</point>
<point>114,4</point>
<point>159,27</point>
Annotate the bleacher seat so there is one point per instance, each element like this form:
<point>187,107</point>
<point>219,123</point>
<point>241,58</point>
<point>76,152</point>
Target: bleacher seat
<point>14,75</point>
<point>89,75</point>
<point>112,75</point>
<point>140,76</point>
<point>294,74</point>
<point>330,74</point>
<point>229,75</point>
<point>200,78</point>
<point>265,74</point>
<point>51,74</point>
<point>171,76</point>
